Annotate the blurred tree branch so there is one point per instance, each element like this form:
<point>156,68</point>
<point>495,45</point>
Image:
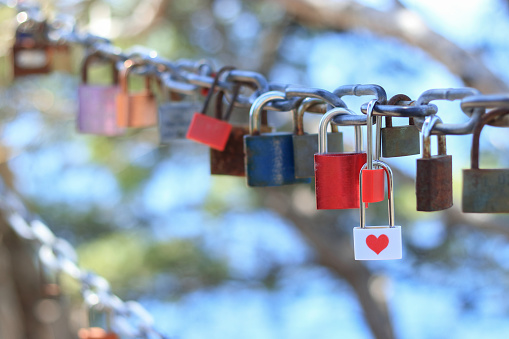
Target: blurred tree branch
<point>400,23</point>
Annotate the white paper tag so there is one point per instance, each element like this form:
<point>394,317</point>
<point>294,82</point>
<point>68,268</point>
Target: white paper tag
<point>377,243</point>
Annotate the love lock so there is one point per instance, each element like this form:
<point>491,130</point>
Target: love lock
<point>433,183</point>
<point>400,140</point>
<point>135,109</point>
<point>100,321</point>
<point>268,156</point>
<point>337,174</point>
<point>485,190</point>
<point>207,130</point>
<point>96,103</point>
<point>31,52</point>
<point>378,242</point>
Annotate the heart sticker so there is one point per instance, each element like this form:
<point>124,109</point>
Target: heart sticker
<point>377,245</point>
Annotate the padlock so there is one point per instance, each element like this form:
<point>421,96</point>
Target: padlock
<point>136,110</point>
<point>208,130</point>
<point>399,141</point>
<point>434,173</point>
<point>31,52</point>
<point>268,156</point>
<point>61,57</point>
<point>231,160</point>
<point>306,145</point>
<point>485,190</point>
<point>373,178</point>
<point>97,321</point>
<point>378,242</point>
<point>337,174</point>
<point>175,115</point>
<point>96,103</point>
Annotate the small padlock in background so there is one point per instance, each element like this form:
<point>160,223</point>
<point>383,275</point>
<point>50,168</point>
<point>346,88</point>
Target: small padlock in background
<point>99,320</point>
<point>337,174</point>
<point>485,190</point>
<point>97,111</point>
<point>31,52</point>
<point>208,130</point>
<point>136,110</point>
<point>378,242</point>
<point>434,173</point>
<point>399,141</point>
<point>305,146</point>
<point>268,156</point>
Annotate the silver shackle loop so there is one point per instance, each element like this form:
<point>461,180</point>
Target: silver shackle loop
<point>256,108</point>
<point>324,122</point>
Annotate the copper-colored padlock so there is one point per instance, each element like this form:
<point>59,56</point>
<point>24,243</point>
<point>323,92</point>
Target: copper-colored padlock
<point>135,109</point>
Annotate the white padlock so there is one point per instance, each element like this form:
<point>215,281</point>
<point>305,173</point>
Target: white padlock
<point>377,242</point>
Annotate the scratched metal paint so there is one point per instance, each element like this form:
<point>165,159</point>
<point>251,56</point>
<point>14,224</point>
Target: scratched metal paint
<point>269,160</point>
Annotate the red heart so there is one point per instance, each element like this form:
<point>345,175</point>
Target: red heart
<point>377,245</point>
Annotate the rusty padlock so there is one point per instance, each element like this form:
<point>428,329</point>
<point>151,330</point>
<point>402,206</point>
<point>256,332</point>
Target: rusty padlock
<point>434,173</point>
<point>230,161</point>
<point>136,110</point>
<point>96,103</point>
<point>31,52</point>
<point>207,130</point>
<point>337,174</point>
<point>399,141</point>
<point>373,178</point>
<point>268,156</point>
<point>485,190</point>
<point>305,146</point>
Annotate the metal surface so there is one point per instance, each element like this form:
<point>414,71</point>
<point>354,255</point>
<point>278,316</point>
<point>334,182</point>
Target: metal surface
<point>485,190</point>
<point>488,101</point>
<point>305,92</point>
<point>405,109</point>
<point>433,186</point>
<point>451,94</point>
<point>174,119</point>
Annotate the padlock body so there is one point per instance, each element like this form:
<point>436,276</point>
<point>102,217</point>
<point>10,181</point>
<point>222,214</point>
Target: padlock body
<point>377,243</point>
<point>269,160</point>
<point>305,147</point>
<point>231,160</point>
<point>400,141</point>
<point>96,333</point>
<point>97,110</point>
<point>485,191</point>
<point>136,110</point>
<point>434,183</point>
<point>209,131</point>
<point>373,185</point>
<point>174,120</point>
<point>30,59</point>
<point>61,58</point>
<point>337,180</point>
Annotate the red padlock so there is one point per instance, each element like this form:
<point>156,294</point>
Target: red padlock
<point>372,179</point>
<point>208,130</point>
<point>337,174</point>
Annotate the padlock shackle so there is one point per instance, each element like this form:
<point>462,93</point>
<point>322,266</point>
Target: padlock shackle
<point>451,94</point>
<point>486,119</point>
<point>219,103</point>
<point>427,127</point>
<point>213,87</point>
<point>257,107</point>
<point>396,100</point>
<point>306,104</point>
<point>369,135</point>
<point>123,76</point>
<point>390,194</point>
<point>89,59</point>
<point>324,122</point>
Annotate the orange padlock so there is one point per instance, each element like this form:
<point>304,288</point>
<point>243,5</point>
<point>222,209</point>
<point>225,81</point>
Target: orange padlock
<point>372,179</point>
<point>135,109</point>
<point>96,333</point>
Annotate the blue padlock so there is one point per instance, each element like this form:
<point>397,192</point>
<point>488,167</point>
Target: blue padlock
<point>268,156</point>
